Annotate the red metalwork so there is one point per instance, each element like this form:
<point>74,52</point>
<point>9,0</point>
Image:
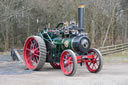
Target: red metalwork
<point>80,60</point>
<point>66,63</point>
<point>31,53</point>
<point>55,65</point>
<point>93,64</point>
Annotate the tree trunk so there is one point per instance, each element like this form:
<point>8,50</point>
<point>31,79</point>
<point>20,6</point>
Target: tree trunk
<point>93,32</point>
<point>6,36</point>
<point>28,27</point>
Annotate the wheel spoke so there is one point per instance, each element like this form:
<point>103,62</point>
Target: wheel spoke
<point>67,69</point>
<point>88,61</point>
<point>97,60</point>
<point>90,64</point>
<point>36,46</point>
<point>97,64</point>
<point>28,60</point>
<point>32,43</point>
<point>65,59</point>
<point>36,49</point>
<point>28,49</point>
<point>71,62</point>
<point>97,57</point>
<point>33,59</point>
<point>93,66</point>
<point>30,57</point>
<point>36,54</point>
<point>70,67</point>
<point>36,59</point>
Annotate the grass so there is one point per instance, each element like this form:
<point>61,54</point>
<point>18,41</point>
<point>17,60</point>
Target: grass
<point>121,57</point>
<point>7,53</point>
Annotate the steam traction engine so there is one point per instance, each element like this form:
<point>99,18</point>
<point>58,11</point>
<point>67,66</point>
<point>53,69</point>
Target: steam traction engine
<point>63,47</point>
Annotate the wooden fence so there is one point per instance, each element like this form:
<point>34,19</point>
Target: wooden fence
<point>113,48</point>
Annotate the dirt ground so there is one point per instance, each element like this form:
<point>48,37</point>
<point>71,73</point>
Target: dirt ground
<point>114,72</point>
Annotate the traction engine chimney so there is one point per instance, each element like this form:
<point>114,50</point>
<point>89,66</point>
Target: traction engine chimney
<point>81,18</point>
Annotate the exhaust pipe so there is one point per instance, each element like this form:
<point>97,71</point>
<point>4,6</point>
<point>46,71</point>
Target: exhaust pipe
<point>81,18</point>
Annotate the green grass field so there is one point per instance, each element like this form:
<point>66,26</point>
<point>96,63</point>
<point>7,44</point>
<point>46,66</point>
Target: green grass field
<point>121,57</point>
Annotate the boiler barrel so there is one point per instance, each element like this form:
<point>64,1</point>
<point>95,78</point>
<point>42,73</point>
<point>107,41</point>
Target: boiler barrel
<point>79,44</point>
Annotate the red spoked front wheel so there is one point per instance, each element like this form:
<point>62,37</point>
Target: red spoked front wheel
<point>94,65</point>
<point>34,52</point>
<point>68,62</point>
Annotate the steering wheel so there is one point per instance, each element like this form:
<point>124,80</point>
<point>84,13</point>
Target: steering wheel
<point>60,25</point>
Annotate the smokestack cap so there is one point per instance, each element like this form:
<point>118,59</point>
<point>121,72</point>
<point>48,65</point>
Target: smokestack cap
<point>81,6</point>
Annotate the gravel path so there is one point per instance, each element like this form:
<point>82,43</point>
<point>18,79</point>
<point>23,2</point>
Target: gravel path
<point>13,73</point>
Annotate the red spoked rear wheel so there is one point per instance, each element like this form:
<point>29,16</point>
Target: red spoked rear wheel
<point>34,52</point>
<point>55,65</point>
<point>94,65</point>
<point>68,62</point>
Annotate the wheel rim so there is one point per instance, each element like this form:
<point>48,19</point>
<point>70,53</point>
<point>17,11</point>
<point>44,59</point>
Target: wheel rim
<point>32,53</point>
<point>93,64</point>
<point>67,63</point>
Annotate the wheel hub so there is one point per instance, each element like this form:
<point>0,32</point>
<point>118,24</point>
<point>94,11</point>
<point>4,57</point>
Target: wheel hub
<point>65,63</point>
<point>94,60</point>
<point>32,51</point>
